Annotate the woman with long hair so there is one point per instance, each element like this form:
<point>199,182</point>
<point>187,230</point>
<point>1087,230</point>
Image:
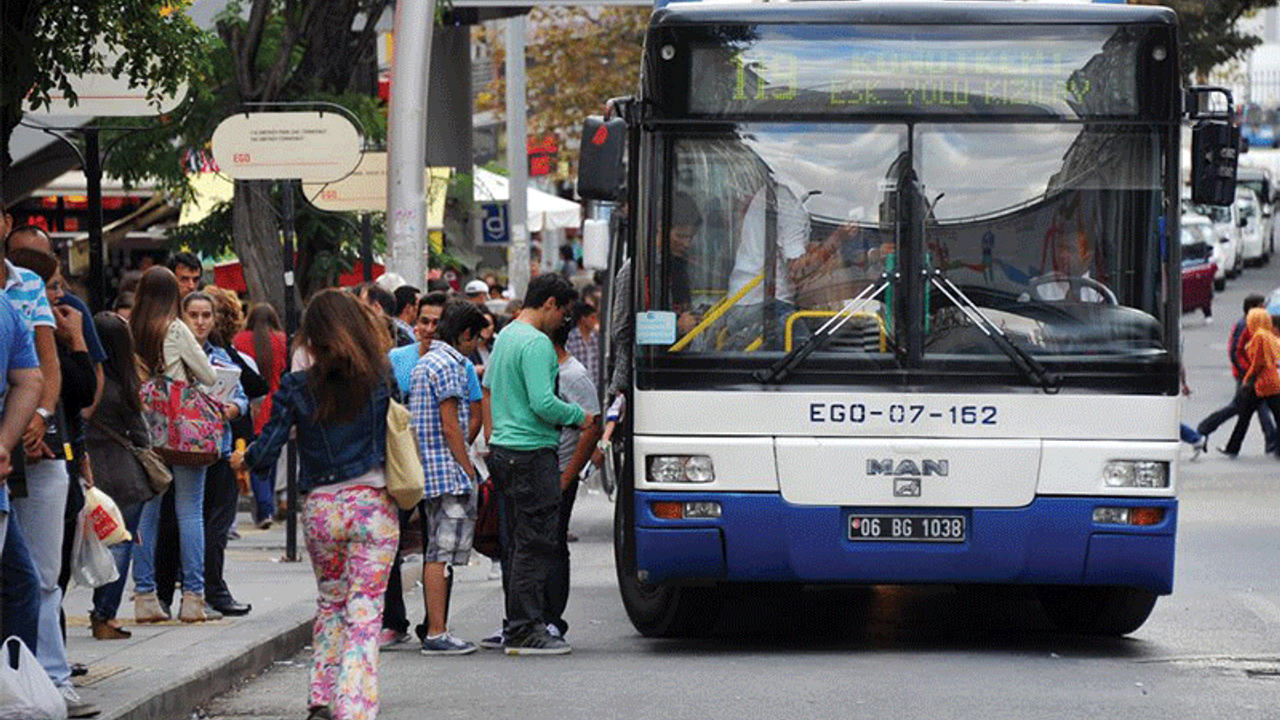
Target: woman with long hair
<point>263,340</point>
<point>339,407</point>
<point>166,346</point>
<point>116,471</point>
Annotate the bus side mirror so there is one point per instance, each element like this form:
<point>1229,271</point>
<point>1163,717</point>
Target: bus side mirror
<point>601,171</point>
<point>1214,149</point>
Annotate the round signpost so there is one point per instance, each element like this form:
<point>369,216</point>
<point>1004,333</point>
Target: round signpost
<point>290,146</point>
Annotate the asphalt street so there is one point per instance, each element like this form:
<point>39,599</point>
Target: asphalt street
<point>1212,649</point>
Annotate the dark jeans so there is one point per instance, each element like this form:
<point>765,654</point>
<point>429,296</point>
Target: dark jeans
<point>106,599</point>
<point>394,614</point>
<point>19,588</point>
<point>1232,409</point>
<point>220,497</point>
<point>528,483</point>
<point>558,583</point>
<point>264,493</point>
<point>168,560</point>
<point>1246,404</point>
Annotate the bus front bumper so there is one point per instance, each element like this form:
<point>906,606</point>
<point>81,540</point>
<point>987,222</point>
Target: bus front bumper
<point>759,537</point>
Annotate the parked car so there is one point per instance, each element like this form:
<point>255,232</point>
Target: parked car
<point>1201,228</point>
<point>1260,181</point>
<point>1198,269</point>
<point>1253,247</point>
<point>1226,227</point>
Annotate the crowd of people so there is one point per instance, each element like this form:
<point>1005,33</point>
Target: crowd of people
<point>495,387</point>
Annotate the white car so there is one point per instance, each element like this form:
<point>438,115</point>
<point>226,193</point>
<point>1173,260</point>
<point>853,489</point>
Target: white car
<point>1260,181</point>
<point>1253,246</point>
<point>1202,227</point>
<point>1226,226</point>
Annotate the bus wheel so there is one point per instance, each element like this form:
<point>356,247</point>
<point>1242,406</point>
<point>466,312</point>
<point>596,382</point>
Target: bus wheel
<point>1112,611</point>
<point>661,610</point>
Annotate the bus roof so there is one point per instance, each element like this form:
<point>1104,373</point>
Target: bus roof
<point>952,12</point>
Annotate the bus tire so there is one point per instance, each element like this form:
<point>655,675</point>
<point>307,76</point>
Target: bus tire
<point>661,611</point>
<point>1109,611</point>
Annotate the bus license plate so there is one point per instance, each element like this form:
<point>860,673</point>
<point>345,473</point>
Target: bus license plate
<point>908,528</point>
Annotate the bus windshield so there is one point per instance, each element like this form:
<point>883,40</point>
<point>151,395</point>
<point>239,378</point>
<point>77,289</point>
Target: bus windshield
<point>1052,230</point>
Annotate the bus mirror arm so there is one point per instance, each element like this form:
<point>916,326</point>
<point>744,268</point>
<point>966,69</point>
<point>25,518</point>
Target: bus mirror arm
<point>1021,359</point>
<point>782,369</point>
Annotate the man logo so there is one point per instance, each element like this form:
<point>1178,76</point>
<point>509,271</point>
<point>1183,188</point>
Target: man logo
<point>906,487</point>
<point>926,468</point>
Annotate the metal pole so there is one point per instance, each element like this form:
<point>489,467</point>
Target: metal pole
<point>366,245</point>
<point>93,181</point>
<point>407,141</point>
<point>517,157</point>
<point>291,328</point>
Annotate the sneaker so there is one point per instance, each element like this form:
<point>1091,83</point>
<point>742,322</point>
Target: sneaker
<point>447,644</point>
<point>538,643</point>
<point>1199,447</point>
<point>554,631</point>
<point>496,641</point>
<point>77,707</point>
<point>389,638</point>
<point>1227,453</point>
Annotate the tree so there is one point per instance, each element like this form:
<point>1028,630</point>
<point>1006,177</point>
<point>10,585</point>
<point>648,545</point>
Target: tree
<point>578,58</point>
<point>48,43</point>
<point>1208,33</point>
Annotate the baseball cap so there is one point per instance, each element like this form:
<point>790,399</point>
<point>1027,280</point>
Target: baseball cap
<point>476,286</point>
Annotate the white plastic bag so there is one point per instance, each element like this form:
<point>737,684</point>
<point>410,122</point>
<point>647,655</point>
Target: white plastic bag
<point>104,517</point>
<point>26,692</point>
<point>92,563</point>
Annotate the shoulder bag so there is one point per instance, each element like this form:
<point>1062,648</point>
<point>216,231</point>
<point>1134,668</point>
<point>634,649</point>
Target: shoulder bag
<point>185,423</point>
<point>405,477</point>
<point>159,477</point>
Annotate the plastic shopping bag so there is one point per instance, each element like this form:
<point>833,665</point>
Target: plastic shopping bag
<point>104,517</point>
<point>26,692</point>
<point>92,563</point>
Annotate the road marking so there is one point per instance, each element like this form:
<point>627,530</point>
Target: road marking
<point>1267,611</point>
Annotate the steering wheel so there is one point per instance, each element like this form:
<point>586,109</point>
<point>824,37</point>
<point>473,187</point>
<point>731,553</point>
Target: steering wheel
<point>1076,286</point>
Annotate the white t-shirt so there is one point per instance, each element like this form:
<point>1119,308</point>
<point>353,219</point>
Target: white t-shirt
<point>793,236</point>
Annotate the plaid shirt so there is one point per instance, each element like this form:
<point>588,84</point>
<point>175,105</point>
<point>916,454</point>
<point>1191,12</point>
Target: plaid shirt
<point>439,375</point>
<point>587,350</point>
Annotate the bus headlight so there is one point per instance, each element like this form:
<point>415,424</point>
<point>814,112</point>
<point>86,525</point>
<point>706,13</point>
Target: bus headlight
<point>1136,474</point>
<point>681,468</point>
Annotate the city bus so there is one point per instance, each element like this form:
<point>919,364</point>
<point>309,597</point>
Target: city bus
<point>899,297</point>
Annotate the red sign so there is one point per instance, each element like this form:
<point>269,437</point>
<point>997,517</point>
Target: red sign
<point>542,154</point>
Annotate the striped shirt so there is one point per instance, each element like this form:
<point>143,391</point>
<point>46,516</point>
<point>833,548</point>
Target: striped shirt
<point>25,290</point>
<point>439,375</point>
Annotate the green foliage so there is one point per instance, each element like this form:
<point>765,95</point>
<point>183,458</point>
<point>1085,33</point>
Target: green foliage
<point>1208,32</point>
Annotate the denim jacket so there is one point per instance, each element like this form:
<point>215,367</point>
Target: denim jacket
<point>328,453</point>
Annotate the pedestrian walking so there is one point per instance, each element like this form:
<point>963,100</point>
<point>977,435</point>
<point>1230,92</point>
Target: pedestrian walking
<point>263,339</point>
<point>338,406</point>
<point>526,418</point>
<point>1261,380</point>
<point>1237,341</point>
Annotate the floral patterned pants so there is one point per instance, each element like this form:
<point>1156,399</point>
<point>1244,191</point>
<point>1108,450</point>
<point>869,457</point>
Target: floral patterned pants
<point>352,536</point>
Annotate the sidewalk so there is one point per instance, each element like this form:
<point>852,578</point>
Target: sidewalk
<point>165,670</point>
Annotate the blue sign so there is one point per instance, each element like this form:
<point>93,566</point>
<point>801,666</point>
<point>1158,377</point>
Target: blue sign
<point>494,228</point>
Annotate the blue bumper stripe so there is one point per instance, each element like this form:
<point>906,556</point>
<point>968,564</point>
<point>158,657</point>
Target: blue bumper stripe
<point>762,538</point>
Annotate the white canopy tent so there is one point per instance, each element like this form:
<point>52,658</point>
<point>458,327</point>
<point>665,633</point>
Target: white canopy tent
<point>546,211</point>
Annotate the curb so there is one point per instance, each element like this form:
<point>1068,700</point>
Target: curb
<point>179,698</point>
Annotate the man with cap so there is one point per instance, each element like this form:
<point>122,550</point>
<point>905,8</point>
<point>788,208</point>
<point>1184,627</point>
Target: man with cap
<point>477,292</point>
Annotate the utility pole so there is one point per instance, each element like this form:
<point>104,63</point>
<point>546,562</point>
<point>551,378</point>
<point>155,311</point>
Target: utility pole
<point>407,141</point>
<point>517,158</point>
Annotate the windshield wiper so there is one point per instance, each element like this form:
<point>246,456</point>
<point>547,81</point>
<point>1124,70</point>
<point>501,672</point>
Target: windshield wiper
<point>1030,367</point>
<point>779,371</point>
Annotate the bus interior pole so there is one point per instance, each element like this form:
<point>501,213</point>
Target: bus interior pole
<point>517,157</point>
<point>407,141</point>
<point>291,329</point>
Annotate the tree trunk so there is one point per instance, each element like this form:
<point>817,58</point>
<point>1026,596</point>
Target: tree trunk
<point>257,242</point>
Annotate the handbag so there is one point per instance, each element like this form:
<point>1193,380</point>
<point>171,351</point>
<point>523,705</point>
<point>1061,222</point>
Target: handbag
<point>185,423</point>
<point>405,477</point>
<point>159,476</point>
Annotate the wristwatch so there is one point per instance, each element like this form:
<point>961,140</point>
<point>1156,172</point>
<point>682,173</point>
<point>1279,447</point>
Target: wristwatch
<point>44,413</point>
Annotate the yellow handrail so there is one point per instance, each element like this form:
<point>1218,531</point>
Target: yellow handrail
<point>791,320</point>
<point>714,314</point>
